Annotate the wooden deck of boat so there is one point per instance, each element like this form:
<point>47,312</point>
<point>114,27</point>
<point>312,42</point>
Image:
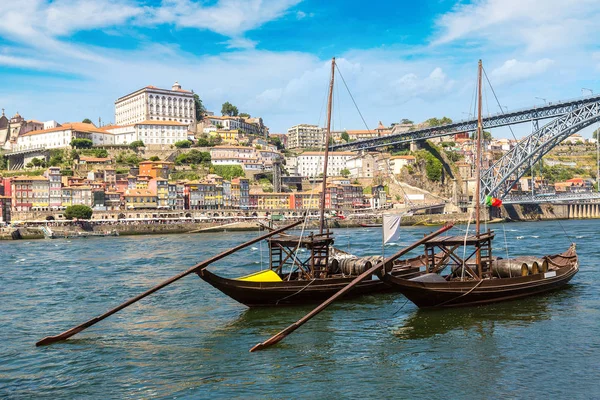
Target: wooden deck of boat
<point>471,240</point>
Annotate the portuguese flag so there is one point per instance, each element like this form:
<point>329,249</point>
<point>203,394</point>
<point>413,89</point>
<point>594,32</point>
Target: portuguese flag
<point>492,201</point>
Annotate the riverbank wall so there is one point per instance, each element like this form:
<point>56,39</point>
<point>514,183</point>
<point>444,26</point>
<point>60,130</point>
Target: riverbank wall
<point>528,212</point>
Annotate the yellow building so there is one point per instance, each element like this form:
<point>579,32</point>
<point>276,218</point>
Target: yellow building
<point>273,201</point>
<point>142,182</point>
<point>160,187</point>
<point>41,192</point>
<point>136,199</point>
<point>230,136</point>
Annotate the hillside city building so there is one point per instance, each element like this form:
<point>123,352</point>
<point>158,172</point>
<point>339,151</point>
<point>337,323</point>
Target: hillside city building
<point>153,104</point>
<point>305,136</point>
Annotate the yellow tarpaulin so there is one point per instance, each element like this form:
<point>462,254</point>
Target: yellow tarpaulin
<point>261,276</point>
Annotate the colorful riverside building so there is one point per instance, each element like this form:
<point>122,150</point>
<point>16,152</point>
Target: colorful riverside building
<point>139,199</point>
<point>240,193</point>
<point>23,192</point>
<point>156,169</point>
<point>160,187</point>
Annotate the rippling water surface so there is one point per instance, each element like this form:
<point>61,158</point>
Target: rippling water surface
<point>191,341</point>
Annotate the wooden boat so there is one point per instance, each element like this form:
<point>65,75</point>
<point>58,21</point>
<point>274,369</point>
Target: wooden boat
<point>433,290</point>
<point>308,269</point>
<point>475,278</point>
<point>311,276</point>
<point>373,225</point>
<point>272,289</point>
<point>485,279</point>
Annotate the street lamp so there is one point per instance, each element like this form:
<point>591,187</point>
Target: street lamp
<point>587,90</point>
<point>541,98</point>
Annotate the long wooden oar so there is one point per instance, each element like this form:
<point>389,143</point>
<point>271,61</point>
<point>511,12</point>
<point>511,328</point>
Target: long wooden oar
<point>200,266</point>
<point>281,335</point>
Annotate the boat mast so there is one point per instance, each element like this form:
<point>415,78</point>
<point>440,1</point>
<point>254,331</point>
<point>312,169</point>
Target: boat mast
<point>327,136</point>
<point>478,173</point>
<point>478,159</point>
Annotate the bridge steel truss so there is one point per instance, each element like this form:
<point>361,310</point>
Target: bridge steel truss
<point>578,197</point>
<point>504,173</point>
<point>551,110</point>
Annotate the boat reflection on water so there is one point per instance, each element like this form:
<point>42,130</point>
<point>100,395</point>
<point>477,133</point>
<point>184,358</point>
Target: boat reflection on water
<point>423,324</point>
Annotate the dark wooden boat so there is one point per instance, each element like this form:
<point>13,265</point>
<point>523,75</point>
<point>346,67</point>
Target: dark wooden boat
<point>307,269</point>
<point>430,289</point>
<point>480,278</point>
<point>298,278</point>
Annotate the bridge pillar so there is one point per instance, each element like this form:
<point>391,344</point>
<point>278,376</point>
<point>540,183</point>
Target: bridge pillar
<point>588,210</point>
<point>414,146</point>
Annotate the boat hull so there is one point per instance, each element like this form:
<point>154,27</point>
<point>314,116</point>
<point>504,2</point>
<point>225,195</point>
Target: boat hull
<point>476,292</point>
<point>296,292</point>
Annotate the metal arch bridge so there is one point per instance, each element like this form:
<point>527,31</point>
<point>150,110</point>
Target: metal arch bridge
<point>550,110</point>
<point>506,172</point>
<point>569,197</point>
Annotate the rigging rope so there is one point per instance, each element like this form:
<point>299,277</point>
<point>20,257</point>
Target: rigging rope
<point>352,97</point>
<point>498,101</point>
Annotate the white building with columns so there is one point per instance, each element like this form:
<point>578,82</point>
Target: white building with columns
<point>153,104</point>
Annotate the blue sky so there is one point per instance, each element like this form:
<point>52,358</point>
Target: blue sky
<point>70,59</point>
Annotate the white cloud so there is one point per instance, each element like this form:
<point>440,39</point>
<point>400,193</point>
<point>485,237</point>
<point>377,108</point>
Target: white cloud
<point>536,25</point>
<point>12,61</point>
<point>411,85</point>
<point>513,70</point>
<point>240,43</point>
<point>227,17</point>
<point>39,22</point>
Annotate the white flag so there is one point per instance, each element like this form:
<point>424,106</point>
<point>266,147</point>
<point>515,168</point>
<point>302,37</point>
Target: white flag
<point>391,227</point>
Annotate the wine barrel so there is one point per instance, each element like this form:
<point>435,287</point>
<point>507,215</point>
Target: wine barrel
<point>354,266</point>
<point>510,268</point>
<point>542,264</point>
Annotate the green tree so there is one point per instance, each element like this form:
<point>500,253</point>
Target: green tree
<point>345,172</point>
<point>244,115</point>
<point>136,144</point>
<point>275,141</point>
<point>183,144</point>
<point>155,158</point>
<point>38,162</point>
<point>229,109</point>
<point>87,121</point>
<point>193,157</point>
<point>345,136</point>
<point>101,153</point>
<point>78,211</point>
<point>228,172</point>
<point>215,140</point>
<point>3,163</point>
<point>437,122</point>
<point>200,109</point>
<point>406,121</point>
<point>82,143</point>
<point>202,142</point>
<point>485,135</point>
<point>595,134</point>
<point>433,166</point>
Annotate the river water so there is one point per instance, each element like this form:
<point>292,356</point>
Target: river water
<point>191,341</point>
